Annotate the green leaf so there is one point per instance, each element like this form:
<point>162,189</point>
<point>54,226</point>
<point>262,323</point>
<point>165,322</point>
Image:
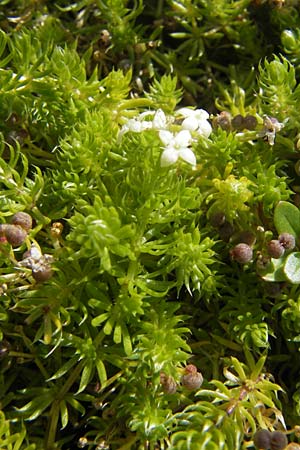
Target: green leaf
<point>85,376</point>
<point>64,416</point>
<point>65,368</point>
<point>287,218</point>
<point>274,270</point>
<point>292,268</point>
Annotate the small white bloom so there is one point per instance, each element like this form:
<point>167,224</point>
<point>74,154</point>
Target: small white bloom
<point>159,120</point>
<point>195,120</point>
<point>138,124</point>
<point>176,146</point>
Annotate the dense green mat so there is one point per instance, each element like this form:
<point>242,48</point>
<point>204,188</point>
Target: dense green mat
<point>149,224</point>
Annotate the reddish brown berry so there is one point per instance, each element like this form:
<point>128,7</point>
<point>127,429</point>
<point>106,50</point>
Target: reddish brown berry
<point>262,439</point>
<point>15,235</point>
<point>287,240</point>
<point>278,440</point>
<point>192,379</point>
<point>22,219</point>
<point>43,273</point>
<point>275,249</point>
<point>242,253</point>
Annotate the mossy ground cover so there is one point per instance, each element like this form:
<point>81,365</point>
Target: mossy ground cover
<point>149,224</point>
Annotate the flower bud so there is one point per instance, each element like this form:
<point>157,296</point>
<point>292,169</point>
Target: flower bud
<point>289,41</point>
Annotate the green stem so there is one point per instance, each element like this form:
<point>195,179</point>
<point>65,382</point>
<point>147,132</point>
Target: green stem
<point>54,412</point>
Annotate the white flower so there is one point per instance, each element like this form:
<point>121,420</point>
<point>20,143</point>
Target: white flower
<point>137,125</point>
<point>159,120</point>
<point>176,146</point>
<point>195,120</point>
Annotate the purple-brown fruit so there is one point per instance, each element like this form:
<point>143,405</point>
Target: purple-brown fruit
<point>241,253</point>
<point>22,219</point>
<point>275,249</point>
<point>278,440</point>
<point>287,240</point>
<point>262,439</point>
<point>15,235</point>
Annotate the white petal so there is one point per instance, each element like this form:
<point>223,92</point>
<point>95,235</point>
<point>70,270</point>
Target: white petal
<point>188,156</point>
<point>185,112</point>
<point>145,114</point>
<point>201,114</point>
<point>182,139</point>
<point>190,123</point>
<point>204,128</point>
<point>166,137</point>
<point>159,121</point>
<point>168,157</point>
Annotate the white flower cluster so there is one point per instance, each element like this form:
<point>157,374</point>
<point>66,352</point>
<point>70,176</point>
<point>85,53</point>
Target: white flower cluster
<point>176,145</point>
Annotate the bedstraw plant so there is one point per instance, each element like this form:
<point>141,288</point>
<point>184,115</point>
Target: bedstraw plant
<point>149,225</point>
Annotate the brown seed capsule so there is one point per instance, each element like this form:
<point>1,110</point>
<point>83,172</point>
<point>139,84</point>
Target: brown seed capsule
<point>223,120</point>
<point>278,440</point>
<point>262,439</point>
<point>15,235</point>
<point>246,237</point>
<point>287,240</point>
<point>217,219</point>
<point>241,253</point>
<point>226,231</point>
<point>192,379</point>
<point>168,383</point>
<point>42,273</point>
<point>275,249</point>
<point>22,219</point>
<point>250,122</point>
<point>238,122</point>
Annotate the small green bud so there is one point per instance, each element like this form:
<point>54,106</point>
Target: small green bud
<point>289,40</point>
